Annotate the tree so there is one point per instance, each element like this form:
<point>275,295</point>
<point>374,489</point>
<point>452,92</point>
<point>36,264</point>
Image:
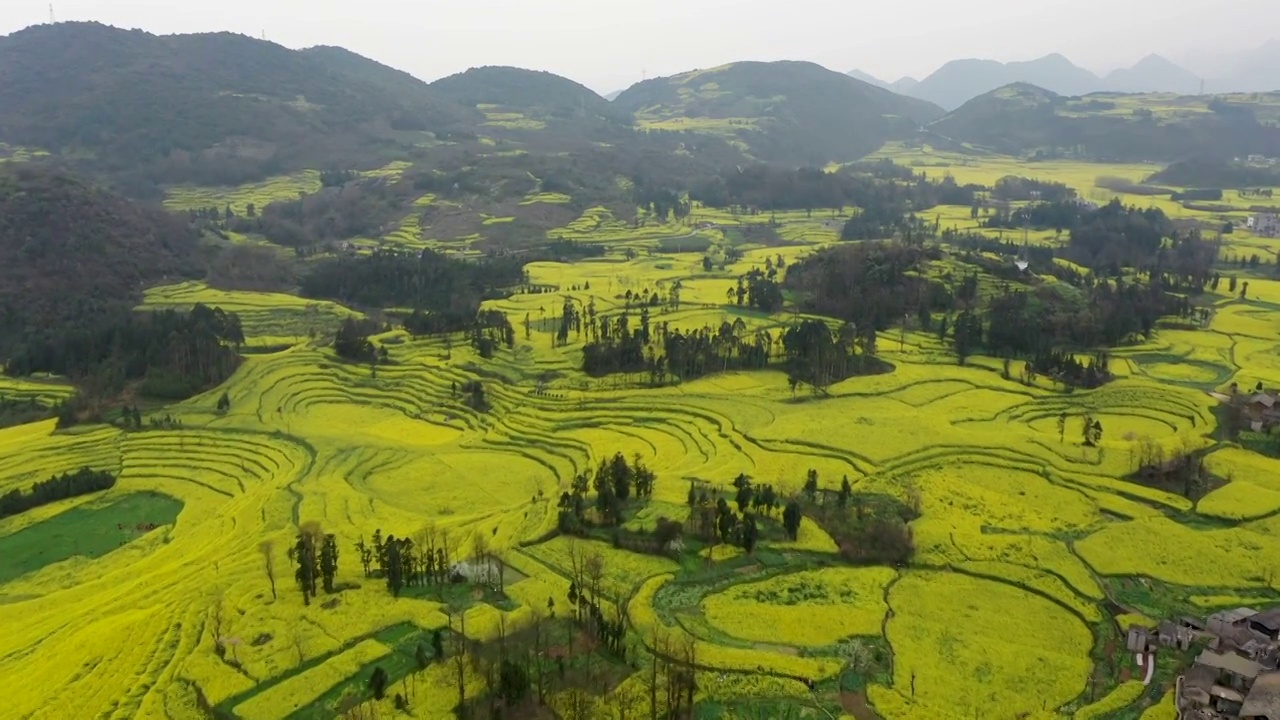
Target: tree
<point>378,682</point>
<point>437,644</point>
<point>366,556</point>
<point>846,491</point>
<point>791,517</point>
<point>1062,427</point>
<point>420,656</point>
<point>811,485</point>
<point>329,561</point>
<point>513,683</point>
<point>750,533</point>
<point>267,548</point>
<point>305,552</point>
<point>224,403</point>
<point>744,498</point>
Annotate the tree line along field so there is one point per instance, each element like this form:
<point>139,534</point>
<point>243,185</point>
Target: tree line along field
<point>153,599</point>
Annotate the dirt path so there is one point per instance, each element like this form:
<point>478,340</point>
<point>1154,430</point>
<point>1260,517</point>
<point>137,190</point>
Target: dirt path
<point>855,704</point>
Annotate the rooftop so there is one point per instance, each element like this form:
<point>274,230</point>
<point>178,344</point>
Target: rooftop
<point>1230,662</point>
<point>1269,619</point>
<point>1264,698</point>
<point>1234,616</point>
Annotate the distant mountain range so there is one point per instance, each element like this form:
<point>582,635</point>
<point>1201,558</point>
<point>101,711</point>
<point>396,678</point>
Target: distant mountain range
<point>960,81</point>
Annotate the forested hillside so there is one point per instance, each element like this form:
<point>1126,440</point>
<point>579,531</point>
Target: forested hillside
<point>1020,119</point>
<point>795,113</point>
<point>72,255</point>
<point>210,108</point>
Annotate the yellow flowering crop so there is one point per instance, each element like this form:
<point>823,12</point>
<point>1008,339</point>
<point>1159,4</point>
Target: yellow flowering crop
<point>984,643</point>
<point>814,607</point>
<point>289,695</point>
<point>1124,695</point>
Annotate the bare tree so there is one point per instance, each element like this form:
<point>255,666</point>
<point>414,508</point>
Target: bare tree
<point>480,553</point>
<point>296,638</point>
<point>460,659</point>
<point>499,562</point>
<point>267,547</point>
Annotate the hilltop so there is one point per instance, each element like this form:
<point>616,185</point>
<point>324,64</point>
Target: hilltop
<point>72,254</point>
<point>1021,118</point>
<point>209,108</point>
<point>517,88</point>
<point>787,112</point>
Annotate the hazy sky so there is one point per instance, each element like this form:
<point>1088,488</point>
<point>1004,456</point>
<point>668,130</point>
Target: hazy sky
<point>607,44</point>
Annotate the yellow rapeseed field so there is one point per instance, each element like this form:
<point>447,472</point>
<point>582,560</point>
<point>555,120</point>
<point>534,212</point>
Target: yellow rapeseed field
<point>806,608</point>
<point>134,600</point>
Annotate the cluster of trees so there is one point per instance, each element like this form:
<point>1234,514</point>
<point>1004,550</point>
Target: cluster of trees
<point>811,351</point>
<point>614,482</point>
<point>490,329</point>
<point>427,281</point>
<point>58,487</point>
<point>1023,323</point>
<point>338,211</point>
<point>1060,215</point>
<point>758,289</point>
<point>176,354</point>
<point>403,562</point>
<point>1040,324</point>
<point>316,555</point>
<point>871,285</point>
<point>1115,237</point>
<point>351,342</point>
<point>714,520</point>
<point>1015,188</point>
<point>869,529</point>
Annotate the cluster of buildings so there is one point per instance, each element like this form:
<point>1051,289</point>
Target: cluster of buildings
<point>1237,676</point>
<point>1265,225</point>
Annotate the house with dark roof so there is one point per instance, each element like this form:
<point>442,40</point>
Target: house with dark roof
<point>1267,623</point>
<point>1263,701</point>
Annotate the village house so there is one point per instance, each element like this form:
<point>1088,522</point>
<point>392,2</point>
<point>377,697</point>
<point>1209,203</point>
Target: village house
<point>1259,410</point>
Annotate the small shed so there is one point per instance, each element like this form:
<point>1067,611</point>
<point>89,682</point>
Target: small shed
<point>1171,634</point>
<point>1139,640</point>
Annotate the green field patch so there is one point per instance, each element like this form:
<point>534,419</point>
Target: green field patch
<point>89,531</point>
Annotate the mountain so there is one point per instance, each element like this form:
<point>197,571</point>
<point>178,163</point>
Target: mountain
<point>210,108</point>
<point>1253,71</point>
<point>868,79</point>
<point>1023,119</point>
<point>613,95</point>
<point>959,81</point>
<point>905,86</point>
<point>1153,74</point>
<point>72,254</point>
<point>789,112</point>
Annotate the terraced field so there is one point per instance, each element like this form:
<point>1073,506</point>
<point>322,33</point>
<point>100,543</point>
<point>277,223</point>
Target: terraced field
<point>1031,548</point>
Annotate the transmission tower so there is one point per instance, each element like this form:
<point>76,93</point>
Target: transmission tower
<point>52,20</point>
